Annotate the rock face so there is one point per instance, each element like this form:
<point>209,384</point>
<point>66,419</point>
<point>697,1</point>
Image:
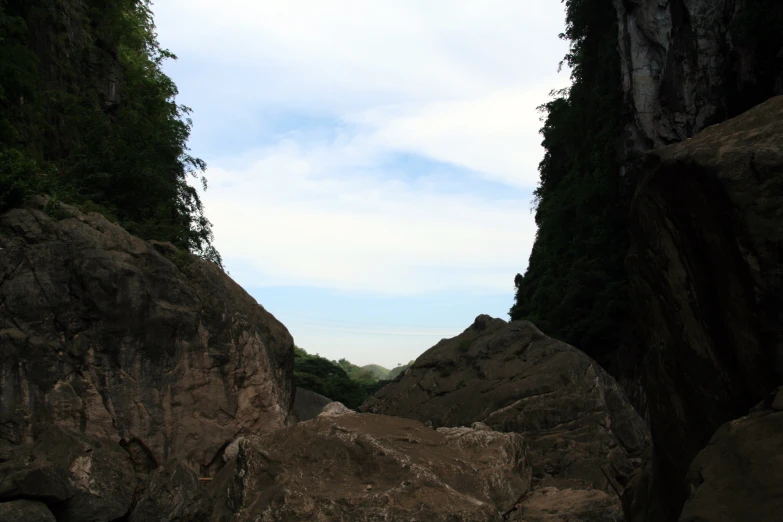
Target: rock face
<point>308,404</point>
<point>173,494</point>
<point>689,63</point>
<point>369,467</point>
<point>102,333</point>
<point>705,267</point>
<point>582,431</point>
<point>739,475</point>
<point>79,478</point>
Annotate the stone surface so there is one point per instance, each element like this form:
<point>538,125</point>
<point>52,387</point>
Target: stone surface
<point>582,431</point>
<point>25,511</point>
<point>80,478</point>
<point>102,333</point>
<point>173,494</point>
<point>682,69</point>
<point>308,404</point>
<point>705,268</point>
<point>558,505</point>
<point>372,467</point>
<point>334,409</point>
<point>739,475</point>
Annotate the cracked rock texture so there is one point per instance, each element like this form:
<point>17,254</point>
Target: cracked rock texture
<point>683,69</point>
<point>125,340</point>
<point>582,431</point>
<point>705,268</point>
<point>363,467</point>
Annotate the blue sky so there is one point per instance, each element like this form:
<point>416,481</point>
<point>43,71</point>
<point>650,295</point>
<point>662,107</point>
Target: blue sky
<point>370,163</point>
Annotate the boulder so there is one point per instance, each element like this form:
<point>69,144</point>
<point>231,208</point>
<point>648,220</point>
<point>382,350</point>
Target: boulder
<point>79,478</point>
<point>556,505</point>
<point>25,511</point>
<point>308,404</point>
<point>173,494</point>
<point>373,467</point>
<point>705,269</point>
<point>739,475</point>
<point>582,431</point>
<point>131,341</point>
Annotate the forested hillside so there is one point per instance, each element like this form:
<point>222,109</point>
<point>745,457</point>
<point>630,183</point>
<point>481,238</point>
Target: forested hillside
<point>88,116</point>
<point>575,287</point>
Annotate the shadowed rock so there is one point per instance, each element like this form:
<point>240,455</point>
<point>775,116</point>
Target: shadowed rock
<point>369,467</point>
<point>79,478</point>
<point>705,267</point>
<point>582,431</point>
<point>25,511</point>
<point>739,475</point>
<point>131,341</point>
<point>173,494</point>
<point>308,404</point>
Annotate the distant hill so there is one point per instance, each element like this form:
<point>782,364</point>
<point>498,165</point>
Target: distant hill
<point>378,371</point>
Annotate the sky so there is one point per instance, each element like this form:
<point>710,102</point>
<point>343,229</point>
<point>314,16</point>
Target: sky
<point>370,163</point>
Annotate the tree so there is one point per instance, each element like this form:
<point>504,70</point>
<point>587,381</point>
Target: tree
<point>88,116</point>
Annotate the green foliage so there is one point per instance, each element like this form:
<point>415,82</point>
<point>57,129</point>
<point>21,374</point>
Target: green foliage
<point>83,95</point>
<point>575,287</point>
<point>331,379</point>
<point>378,371</point>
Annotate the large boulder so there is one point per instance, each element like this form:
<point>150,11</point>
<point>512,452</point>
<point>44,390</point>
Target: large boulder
<point>308,404</point>
<point>79,478</point>
<point>739,475</point>
<point>131,341</point>
<point>705,267</point>
<point>369,467</point>
<point>582,431</point>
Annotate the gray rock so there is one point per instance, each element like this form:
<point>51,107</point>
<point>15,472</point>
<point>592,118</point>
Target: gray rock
<point>127,340</point>
<point>173,494</point>
<point>308,404</point>
<point>582,431</point>
<point>373,467</point>
<point>704,265</point>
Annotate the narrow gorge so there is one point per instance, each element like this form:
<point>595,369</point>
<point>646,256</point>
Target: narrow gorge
<point>639,378</point>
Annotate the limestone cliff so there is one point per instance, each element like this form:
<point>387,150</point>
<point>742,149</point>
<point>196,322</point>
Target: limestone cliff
<point>687,64</point>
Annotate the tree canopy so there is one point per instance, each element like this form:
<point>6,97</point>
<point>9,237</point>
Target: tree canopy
<point>575,287</point>
<point>88,116</point>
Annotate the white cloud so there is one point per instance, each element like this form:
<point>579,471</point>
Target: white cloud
<point>456,82</point>
<point>291,217</point>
